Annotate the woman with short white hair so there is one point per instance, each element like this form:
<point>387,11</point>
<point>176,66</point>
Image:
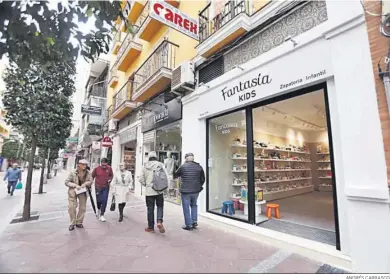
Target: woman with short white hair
<point>121,186</point>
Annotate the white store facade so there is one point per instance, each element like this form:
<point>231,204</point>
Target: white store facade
<point>334,58</point>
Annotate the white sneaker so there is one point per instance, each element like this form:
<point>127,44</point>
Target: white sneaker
<point>102,219</point>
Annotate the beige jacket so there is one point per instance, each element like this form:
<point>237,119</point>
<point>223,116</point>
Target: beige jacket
<point>146,177</point>
<point>121,190</point>
<point>72,181</point>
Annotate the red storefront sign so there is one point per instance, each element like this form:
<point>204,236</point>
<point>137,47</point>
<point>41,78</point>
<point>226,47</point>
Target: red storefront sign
<point>106,142</point>
<point>174,18</point>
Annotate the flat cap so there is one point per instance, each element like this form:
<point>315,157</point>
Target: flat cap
<point>83,162</point>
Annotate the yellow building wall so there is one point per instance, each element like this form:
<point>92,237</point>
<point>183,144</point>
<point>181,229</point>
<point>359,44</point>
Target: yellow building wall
<point>258,4</point>
<point>186,50</point>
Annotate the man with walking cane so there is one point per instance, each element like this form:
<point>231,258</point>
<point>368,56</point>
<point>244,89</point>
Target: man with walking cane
<point>78,182</point>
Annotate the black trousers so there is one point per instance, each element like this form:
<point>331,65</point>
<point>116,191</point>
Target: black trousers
<point>121,206</point>
<point>159,202</point>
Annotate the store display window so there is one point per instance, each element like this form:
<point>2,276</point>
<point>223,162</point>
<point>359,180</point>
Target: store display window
<point>291,174</point>
<point>129,156</point>
<point>228,174</point>
<point>168,149</point>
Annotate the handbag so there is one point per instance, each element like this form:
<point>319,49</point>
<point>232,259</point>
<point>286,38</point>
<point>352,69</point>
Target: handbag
<point>19,186</point>
<point>112,207</point>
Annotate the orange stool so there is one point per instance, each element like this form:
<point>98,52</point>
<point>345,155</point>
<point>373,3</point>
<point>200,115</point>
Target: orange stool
<point>274,206</point>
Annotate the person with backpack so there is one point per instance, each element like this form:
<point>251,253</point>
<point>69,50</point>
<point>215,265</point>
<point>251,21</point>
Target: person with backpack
<point>191,180</point>
<point>154,178</point>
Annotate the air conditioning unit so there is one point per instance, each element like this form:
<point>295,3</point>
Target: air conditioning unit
<point>183,79</point>
<point>112,125</point>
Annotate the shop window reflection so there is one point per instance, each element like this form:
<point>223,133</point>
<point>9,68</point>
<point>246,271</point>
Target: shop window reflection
<point>168,149</point>
<point>228,174</point>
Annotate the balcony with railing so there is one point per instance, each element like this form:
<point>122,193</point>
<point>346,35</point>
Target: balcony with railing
<point>98,90</point>
<point>217,31</point>
<point>117,41</point>
<point>113,78</point>
<point>122,104</point>
<point>108,114</point>
<point>155,73</point>
<point>128,52</point>
<point>135,10</point>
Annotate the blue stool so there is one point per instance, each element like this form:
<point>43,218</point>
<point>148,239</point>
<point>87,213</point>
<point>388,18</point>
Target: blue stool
<point>228,208</point>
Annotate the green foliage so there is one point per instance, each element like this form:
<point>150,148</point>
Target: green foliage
<point>38,102</point>
<point>52,28</point>
<point>12,150</point>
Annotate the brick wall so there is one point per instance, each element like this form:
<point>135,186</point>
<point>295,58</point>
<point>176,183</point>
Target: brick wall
<point>379,46</point>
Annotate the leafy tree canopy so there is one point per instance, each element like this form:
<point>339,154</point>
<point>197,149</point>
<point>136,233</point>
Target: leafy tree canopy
<point>34,30</point>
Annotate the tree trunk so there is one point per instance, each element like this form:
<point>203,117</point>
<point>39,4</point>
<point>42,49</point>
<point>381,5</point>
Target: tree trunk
<point>48,164</point>
<point>42,176</point>
<point>27,195</point>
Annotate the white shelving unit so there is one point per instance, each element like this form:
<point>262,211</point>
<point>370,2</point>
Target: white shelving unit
<point>288,165</point>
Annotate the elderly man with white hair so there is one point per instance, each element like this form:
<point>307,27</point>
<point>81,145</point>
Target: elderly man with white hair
<point>13,175</point>
<point>192,179</point>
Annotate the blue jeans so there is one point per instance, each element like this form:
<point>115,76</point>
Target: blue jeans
<point>11,186</point>
<point>157,200</point>
<point>190,208</point>
<point>101,199</point>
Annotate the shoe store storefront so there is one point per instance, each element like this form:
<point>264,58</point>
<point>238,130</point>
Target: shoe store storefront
<point>161,128</point>
<point>284,139</point>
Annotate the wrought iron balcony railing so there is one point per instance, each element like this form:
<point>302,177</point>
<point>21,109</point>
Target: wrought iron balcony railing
<point>162,58</point>
<point>98,91</point>
<point>122,96</point>
<point>208,26</point>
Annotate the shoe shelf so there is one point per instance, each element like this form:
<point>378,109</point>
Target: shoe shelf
<point>275,195</point>
<point>274,160</point>
<point>272,170</point>
<point>284,180</point>
<point>271,149</point>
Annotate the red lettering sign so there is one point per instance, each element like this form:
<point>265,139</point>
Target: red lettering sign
<point>174,18</point>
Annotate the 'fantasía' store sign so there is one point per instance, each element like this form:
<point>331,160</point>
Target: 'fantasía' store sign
<point>285,74</point>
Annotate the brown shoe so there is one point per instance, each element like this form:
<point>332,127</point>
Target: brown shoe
<point>160,227</point>
<point>147,229</point>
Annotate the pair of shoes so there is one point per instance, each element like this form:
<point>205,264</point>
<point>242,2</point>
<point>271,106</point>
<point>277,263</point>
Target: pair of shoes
<point>71,227</point>
<point>195,225</point>
<point>120,218</point>
<point>186,228</point>
<point>102,219</point>
<point>160,227</point>
<point>80,226</point>
<point>147,229</point>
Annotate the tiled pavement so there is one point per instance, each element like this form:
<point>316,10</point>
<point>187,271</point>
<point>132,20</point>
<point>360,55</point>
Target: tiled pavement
<point>46,245</point>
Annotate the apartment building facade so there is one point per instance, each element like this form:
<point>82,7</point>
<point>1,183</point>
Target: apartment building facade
<point>93,114</point>
<point>144,115</point>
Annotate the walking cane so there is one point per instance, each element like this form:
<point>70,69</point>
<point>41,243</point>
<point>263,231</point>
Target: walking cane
<point>92,201</point>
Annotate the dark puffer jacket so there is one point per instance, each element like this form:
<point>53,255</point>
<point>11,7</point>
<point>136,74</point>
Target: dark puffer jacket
<point>192,178</point>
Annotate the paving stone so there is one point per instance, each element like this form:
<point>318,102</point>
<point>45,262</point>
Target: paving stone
<point>296,264</point>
